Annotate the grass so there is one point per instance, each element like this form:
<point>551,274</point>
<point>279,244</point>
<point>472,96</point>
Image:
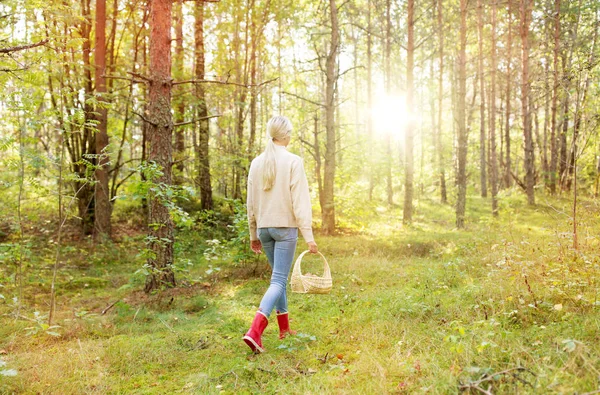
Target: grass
<point>416,309</point>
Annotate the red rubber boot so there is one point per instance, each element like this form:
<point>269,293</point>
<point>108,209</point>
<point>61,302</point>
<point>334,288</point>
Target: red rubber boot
<point>284,325</point>
<point>252,337</point>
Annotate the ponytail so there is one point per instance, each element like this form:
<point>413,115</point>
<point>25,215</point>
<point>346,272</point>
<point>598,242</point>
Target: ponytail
<point>278,127</point>
<point>270,168</point>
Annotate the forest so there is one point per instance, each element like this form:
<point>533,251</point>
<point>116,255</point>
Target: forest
<point>453,158</point>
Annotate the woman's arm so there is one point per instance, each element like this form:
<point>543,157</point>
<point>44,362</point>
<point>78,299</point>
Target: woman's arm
<point>250,207</point>
<point>301,202</point>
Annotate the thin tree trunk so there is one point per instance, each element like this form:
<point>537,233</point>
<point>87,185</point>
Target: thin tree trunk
<point>160,146</point>
<point>330,146</point>
<point>482,134</point>
<point>409,138</point>
<point>492,109</point>
<point>179,102</point>
<point>507,160</point>
<point>202,158</point>
<point>388,88</point>
<point>370,99</point>
<point>554,126</point>
<point>86,142</point>
<point>438,143</point>
<point>102,193</point>
<point>461,176</point>
<point>525,16</point>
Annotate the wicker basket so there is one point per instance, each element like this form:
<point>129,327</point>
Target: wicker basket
<point>311,284</point>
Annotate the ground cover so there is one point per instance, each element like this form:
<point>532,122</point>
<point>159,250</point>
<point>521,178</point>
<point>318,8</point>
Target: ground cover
<point>505,305</point>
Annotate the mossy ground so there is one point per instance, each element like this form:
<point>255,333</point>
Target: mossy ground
<point>424,308</point>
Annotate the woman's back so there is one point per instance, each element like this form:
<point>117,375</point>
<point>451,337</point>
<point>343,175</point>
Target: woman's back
<point>287,202</point>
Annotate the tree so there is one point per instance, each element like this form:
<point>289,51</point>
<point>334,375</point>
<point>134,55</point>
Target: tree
<point>508,97</point>
<point>461,176</point>
<point>482,136</point>
<point>492,109</point>
<point>102,225</point>
<point>179,101</point>
<point>438,135</point>
<point>525,19</point>
<point>331,77</point>
<point>202,151</point>
<point>554,126</point>
<point>409,139</point>
<point>160,148</point>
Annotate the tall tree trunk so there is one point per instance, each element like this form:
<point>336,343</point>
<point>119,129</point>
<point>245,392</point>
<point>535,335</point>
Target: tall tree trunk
<point>461,175</point>
<point>388,91</point>
<point>507,160</point>
<point>203,177</point>
<point>86,144</point>
<point>554,126</point>
<point>568,73</point>
<point>370,99</point>
<point>525,16</point>
<point>545,161</point>
<point>330,146</point>
<point>482,134</point>
<point>582,92</point>
<point>179,102</point>
<point>160,146</point>
<point>438,139</point>
<point>492,109</point>
<point>409,138</point>
<point>102,193</point>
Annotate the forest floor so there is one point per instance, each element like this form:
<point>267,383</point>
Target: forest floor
<point>506,305</point>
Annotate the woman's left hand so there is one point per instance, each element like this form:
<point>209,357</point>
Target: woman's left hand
<point>256,246</point>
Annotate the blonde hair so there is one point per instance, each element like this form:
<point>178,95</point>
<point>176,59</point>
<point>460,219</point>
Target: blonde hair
<point>278,128</point>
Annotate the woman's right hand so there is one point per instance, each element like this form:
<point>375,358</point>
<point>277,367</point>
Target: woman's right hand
<point>312,247</point>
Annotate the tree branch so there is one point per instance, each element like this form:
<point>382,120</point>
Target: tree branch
<point>195,120</point>
<point>303,98</point>
<point>114,77</point>
<point>226,82</point>
<point>145,119</point>
<point>23,47</point>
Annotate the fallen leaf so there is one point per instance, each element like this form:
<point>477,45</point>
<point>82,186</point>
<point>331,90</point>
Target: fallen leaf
<point>340,356</point>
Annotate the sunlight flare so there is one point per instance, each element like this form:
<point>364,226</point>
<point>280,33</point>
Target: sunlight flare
<point>390,115</point>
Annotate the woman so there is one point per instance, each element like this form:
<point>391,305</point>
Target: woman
<point>278,205</point>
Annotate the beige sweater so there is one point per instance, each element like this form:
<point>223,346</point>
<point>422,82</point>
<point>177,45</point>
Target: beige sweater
<point>287,204</point>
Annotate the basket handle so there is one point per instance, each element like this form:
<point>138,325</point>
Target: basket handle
<point>298,270</point>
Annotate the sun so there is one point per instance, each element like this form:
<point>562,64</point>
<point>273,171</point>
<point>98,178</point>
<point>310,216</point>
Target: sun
<point>390,115</point>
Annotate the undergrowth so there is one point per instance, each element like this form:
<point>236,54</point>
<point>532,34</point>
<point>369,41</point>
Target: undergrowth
<point>505,306</point>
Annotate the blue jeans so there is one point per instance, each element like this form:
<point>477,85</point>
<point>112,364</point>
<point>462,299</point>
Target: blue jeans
<point>279,245</point>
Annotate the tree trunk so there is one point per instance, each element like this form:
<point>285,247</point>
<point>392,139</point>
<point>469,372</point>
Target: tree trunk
<point>461,176</point>
<point>330,146</point>
<point>507,160</point>
<point>409,138</point>
<point>438,139</point>
<point>388,91</point>
<point>102,193</point>
<point>202,158</point>
<point>179,102</point>
<point>85,146</point>
<point>482,134</point>
<point>525,16</point>
<point>554,126</point>
<point>160,146</point>
<point>492,109</point>
<point>370,100</point>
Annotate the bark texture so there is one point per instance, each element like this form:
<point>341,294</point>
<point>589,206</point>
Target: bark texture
<point>102,224</point>
<point>328,208</point>
<point>160,147</point>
